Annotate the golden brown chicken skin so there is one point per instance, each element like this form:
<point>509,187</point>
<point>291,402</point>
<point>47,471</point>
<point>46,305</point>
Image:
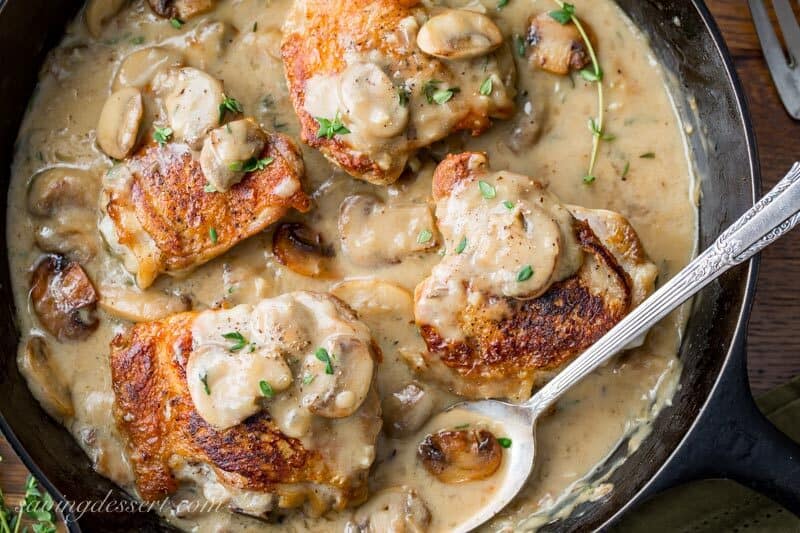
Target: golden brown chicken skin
<point>169,441</point>
<point>484,342</point>
<point>389,82</point>
<point>161,217</point>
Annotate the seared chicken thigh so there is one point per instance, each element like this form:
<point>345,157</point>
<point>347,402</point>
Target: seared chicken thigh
<point>202,186</point>
<point>160,216</point>
<point>526,283</point>
<point>374,81</point>
<point>263,407</point>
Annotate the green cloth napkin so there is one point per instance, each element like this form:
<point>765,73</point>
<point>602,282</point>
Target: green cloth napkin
<point>721,505</point>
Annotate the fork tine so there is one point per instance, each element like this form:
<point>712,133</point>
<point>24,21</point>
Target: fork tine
<point>789,27</point>
<point>786,80</point>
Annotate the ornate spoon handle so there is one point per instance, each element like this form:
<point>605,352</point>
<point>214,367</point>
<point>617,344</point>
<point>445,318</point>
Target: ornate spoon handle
<point>769,219</point>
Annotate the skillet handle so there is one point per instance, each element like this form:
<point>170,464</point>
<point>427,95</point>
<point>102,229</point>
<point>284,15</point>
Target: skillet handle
<point>732,439</point>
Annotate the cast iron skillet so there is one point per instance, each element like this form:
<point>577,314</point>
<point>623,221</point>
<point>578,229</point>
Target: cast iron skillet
<point>712,429</point>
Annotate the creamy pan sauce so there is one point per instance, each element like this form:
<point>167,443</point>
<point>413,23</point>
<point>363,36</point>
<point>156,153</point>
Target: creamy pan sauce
<point>378,260</point>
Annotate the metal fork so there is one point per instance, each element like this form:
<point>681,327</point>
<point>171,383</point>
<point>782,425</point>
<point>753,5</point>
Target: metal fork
<point>785,71</point>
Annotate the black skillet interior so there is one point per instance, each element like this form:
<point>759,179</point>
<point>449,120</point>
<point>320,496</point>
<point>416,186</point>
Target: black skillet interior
<point>725,157</point>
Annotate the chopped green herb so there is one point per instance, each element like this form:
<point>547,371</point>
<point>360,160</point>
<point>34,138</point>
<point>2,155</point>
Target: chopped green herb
<point>487,190</point>
<point>595,129</point>
<point>176,23</point>
<point>589,179</point>
<point>403,95</point>
<point>626,169</point>
<point>308,379</point>
<point>565,14</point>
<point>162,135</point>
<point>525,274</point>
<point>266,389</point>
<point>509,205</point>
<point>462,426</point>
<point>251,165</point>
<point>229,104</point>
<point>238,339</point>
<point>429,88</point>
<point>329,128</point>
<point>504,442</point>
<point>519,45</point>
<point>255,26</point>
<point>486,87</point>
<point>461,246</point>
<point>209,188</point>
<point>424,236</point>
<point>204,380</point>
<point>212,234</point>
<point>137,40</point>
<point>648,155</point>
<point>443,96</point>
<point>502,3</point>
<point>323,355</point>
<point>592,75</point>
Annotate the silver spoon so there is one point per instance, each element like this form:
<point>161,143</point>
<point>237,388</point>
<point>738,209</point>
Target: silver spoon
<point>769,219</point>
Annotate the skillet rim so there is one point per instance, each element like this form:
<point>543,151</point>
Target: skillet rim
<point>740,330</point>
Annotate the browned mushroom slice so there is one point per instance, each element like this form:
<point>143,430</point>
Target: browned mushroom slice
<point>405,410</point>
<point>343,375</point>
<point>64,298</point>
<point>393,510</point>
<point>456,456</point>
<point>555,47</point>
<point>302,249</point>
<point>46,383</point>
<point>180,9</point>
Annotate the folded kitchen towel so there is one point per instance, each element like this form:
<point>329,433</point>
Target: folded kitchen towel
<point>721,505</point>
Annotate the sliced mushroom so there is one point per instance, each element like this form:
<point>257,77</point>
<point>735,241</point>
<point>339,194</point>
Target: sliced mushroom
<point>227,150</point>
<point>370,101</point>
<point>64,298</point>
<point>375,297</point>
<point>135,305</point>
<point>191,99</point>
<point>61,187</point>
<point>207,43</point>
<point>407,409</point>
<point>98,12</point>
<point>555,47</point>
<point>373,233</point>
<point>457,456</point>
<point>140,67</point>
<point>181,9</point>
<point>459,34</point>
<point>45,382</point>
<point>301,249</point>
<point>341,378</point>
<point>120,118</point>
<point>393,510</point>
<point>69,232</point>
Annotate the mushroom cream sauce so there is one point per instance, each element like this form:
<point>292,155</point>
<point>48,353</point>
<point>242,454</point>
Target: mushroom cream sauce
<point>644,173</point>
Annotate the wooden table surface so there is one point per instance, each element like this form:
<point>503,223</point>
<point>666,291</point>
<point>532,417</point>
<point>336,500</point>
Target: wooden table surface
<point>774,341</point>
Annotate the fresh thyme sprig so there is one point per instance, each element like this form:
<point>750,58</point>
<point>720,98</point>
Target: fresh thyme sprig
<point>595,74</point>
<point>37,509</point>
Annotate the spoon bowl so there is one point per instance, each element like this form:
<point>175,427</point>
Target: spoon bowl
<point>518,422</point>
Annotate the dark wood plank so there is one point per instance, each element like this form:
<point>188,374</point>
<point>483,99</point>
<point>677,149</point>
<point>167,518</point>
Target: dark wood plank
<point>774,341</point>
